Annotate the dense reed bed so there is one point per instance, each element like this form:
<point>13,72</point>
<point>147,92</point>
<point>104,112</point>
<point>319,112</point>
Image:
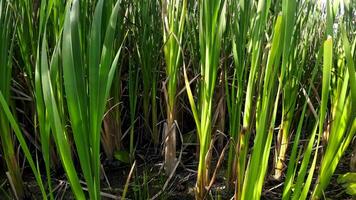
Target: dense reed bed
<point>177,99</point>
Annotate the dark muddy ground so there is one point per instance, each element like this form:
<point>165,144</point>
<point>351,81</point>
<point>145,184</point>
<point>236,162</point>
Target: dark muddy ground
<point>149,181</point>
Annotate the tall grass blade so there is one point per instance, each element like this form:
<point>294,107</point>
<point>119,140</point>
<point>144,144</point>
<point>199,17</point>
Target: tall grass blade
<point>256,169</point>
<point>7,142</point>
<point>173,19</point>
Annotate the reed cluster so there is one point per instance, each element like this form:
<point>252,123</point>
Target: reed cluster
<point>88,85</point>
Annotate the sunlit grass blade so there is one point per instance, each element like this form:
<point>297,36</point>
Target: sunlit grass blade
<point>300,190</point>
<point>173,19</point>
<point>343,117</point>
<point>298,187</point>
<point>349,182</point>
<point>293,160</point>
<point>212,22</point>
<point>256,169</point>
<point>254,48</point>
<point>288,83</point>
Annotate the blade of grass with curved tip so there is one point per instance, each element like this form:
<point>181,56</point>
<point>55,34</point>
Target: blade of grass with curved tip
<point>42,115</point>
<point>29,34</point>
<point>76,97</point>
<point>86,99</point>
<point>57,125</point>
<point>44,128</point>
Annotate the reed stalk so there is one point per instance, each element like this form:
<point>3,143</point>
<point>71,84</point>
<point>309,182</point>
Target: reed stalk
<point>173,19</point>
